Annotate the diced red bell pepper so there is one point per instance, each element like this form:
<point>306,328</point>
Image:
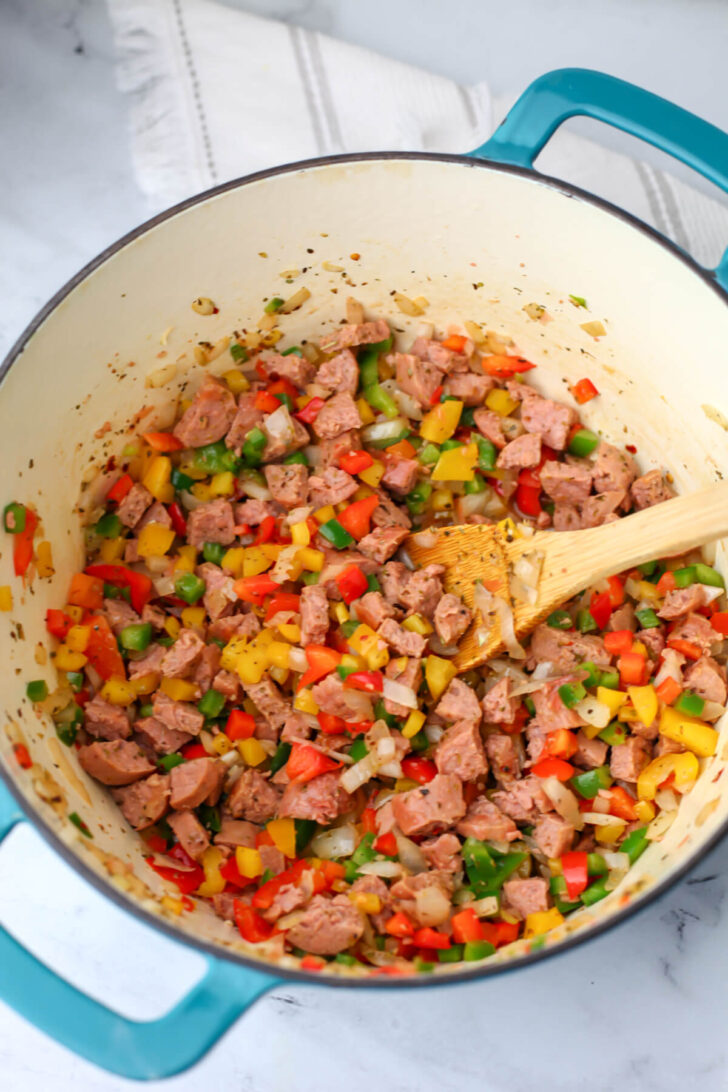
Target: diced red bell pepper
<point>305,763</point>
<point>356,517</point>
<point>632,667</point>
<point>22,757</point>
<point>321,661</point>
<point>499,933</point>
<point>231,873</point>
<point>57,623</point>
<point>616,591</point>
<point>399,925</point>
<point>719,622</point>
<point>265,530</point>
<point>436,394</point>
<point>354,461</point>
<point>622,804</point>
<point>331,871</point>
<point>140,586</point>
<point>368,820</point>
<point>455,342</point>
<point>371,681</point>
<point>553,767</point>
<point>310,411</point>
<point>669,690</point>
<point>86,591</point>
<point>102,650</point>
<point>23,544</point>
<point>193,750</point>
<point>666,583</point>
<point>528,500</point>
<point>156,842</point>
<point>687,648</point>
<point>584,391</point>
<point>351,583</point>
<point>120,488</point>
<point>575,872</point>
<point>466,926</point>
<point>261,371</point>
<point>282,601</point>
<point>530,476</point>
<point>331,725</point>
<point>253,589</point>
<point>430,938</point>
<point>179,523</point>
<point>619,642</point>
<point>401,450</point>
<point>503,366</point>
<point>187,880</point>
<point>600,608</point>
<point>240,725</point>
<point>422,770</point>
<point>251,926</point>
<point>163,441</point>
<point>386,844</point>
<point>561,744</point>
<point>312,963</point>
<point>263,897</point>
<point>283,386</point>
<point>266,402</point>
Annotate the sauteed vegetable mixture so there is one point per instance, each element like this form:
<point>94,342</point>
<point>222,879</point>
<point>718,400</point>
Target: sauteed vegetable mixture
<point>254,668</point>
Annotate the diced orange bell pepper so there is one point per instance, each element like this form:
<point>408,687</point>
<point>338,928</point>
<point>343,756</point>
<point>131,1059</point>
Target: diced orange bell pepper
<point>86,591</point>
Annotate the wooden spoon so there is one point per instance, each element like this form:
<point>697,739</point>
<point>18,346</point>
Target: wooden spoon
<point>571,560</point>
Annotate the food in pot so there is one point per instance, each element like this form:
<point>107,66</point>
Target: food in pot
<point>265,684</point>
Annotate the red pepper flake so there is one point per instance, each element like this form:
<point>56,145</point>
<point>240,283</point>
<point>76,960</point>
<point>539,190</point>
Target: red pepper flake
<point>631,449</point>
<point>21,756</point>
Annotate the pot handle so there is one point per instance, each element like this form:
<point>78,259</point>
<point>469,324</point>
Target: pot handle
<point>556,96</point>
<point>140,1050</point>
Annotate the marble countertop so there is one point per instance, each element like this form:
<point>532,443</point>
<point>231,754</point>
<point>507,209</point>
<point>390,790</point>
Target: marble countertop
<point>642,1008</point>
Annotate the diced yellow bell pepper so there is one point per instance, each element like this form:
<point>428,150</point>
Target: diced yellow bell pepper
<point>457,464</point>
<point>339,612</point>
<point>366,901</point>
<point>627,714</point>
<point>441,500</point>
<point>236,381</point>
<point>193,617</point>
<point>202,491</point>
<point>372,475</point>
<point>255,561</point>
<point>44,559</point>
<point>221,744</point>
<point>251,664</point>
<point>264,638</point>
<point>77,638</point>
<point>172,626</point>
<point>645,811</point>
<point>500,402</point>
<point>283,833</point>
<point>6,597</point>
<point>213,882</point>
<point>417,624</point>
<point>644,699</point>
<point>413,724</point>
<point>303,400</point>
<point>615,699</point>
<point>68,660</point>
<point>248,862</point>
<point>649,592</point>
<point>112,549</point>
<point>157,479</point>
<point>304,702</point>
<point>154,540</point>
<point>118,691</point>
<point>639,648</point>
<point>187,466</point>
<point>311,560</point>
<point>232,561</point>
<point>145,684</point>
<point>365,411</point>
<point>609,834</point>
<point>231,651</point>
<point>278,653</point>
<point>439,424</point>
<point>222,484</point>
<point>175,906</point>
<point>74,613</point>
<point>300,534</point>
<point>694,734</point>
<point>252,751</point>
<point>179,689</point>
<point>370,645</point>
<point>323,515</point>
<point>358,663</point>
<point>542,921</point>
<point>684,766</point>
<point>290,632</point>
<point>404,784</point>
<point>186,559</point>
<point>439,673</point>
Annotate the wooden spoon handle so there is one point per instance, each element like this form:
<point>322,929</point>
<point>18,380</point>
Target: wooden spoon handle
<point>576,559</point>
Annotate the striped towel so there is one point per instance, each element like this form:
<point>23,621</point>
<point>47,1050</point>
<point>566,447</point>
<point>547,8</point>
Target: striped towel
<point>217,93</point>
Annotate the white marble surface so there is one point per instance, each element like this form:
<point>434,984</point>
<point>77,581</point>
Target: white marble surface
<point>640,1009</point>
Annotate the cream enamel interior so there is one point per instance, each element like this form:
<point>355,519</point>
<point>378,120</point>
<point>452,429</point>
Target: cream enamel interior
<point>479,244</point>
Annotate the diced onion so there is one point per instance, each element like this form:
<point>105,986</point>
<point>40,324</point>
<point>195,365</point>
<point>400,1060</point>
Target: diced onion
<point>711,592</point>
<point>440,649</point>
<point>616,875</point>
<point>672,661</point>
<point>383,430</point>
<point>251,487</point>
<point>279,426</point>
<point>163,585</point>
<point>388,869</point>
<point>361,772</point>
<point>298,515</point>
<point>601,819</point>
<point>336,842</point>
<point>285,563</point>
<point>297,660</point>
<point>493,606</point>
<point>564,802</point>
<point>425,539</point>
<point>392,769</point>
<point>397,692</point>
<point>410,855</point>
<point>432,906</point>
<point>660,825</point>
<point>289,920</point>
<point>405,402</point>
<point>189,500</point>
<point>434,732</point>
<point>593,712</point>
<point>526,576</point>
<point>486,907</point>
<point>386,749</point>
<point>712,710</point>
<point>471,504</point>
<point>666,800</point>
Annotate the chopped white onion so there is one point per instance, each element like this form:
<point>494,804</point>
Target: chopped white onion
<point>471,504</point>
<point>486,907</point>
<point>602,803</point>
<point>392,769</point>
<point>251,487</point>
<point>289,920</point>
<point>425,539</point>
<point>434,732</point>
<point>526,576</point>
<point>564,802</point>
<point>388,869</point>
<point>660,825</point>
<point>410,855</point>
<point>405,402</point>
<point>189,500</point>
<point>336,842</point>
<point>297,660</point>
<point>383,430</point>
<point>593,712</point>
<point>163,585</point>
<point>712,710</point>
<point>285,563</point>
<point>614,859</point>
<point>279,426</point>
<point>386,749</point>
<point>672,661</point>
<point>432,906</point>
<point>403,695</point>
<point>666,800</point>
<point>711,593</point>
<point>601,819</point>
<point>492,607</point>
<point>157,565</point>
<point>616,875</point>
<point>298,515</point>
<point>544,670</point>
<point>358,774</point>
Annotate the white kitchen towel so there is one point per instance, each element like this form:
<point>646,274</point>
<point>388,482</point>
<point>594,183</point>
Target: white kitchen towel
<point>217,93</point>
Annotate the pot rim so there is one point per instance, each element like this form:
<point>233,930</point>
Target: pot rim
<point>205,947</point>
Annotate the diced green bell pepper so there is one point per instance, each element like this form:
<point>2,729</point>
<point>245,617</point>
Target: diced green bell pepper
<point>610,680</point>
<point>168,762</point>
<point>429,455</point>
<point>78,822</point>
<point>689,703</point>
<point>146,709</point>
<point>595,864</point>
<point>647,618</point>
<point>594,675</point>
<point>614,734</point>
<point>487,453</point>
<point>589,783</point>
<point>215,458</point>
<point>189,587</point>
<point>273,305</point>
<point>372,583</point>
<point>684,577</point>
<point>453,954</point>
<point>211,704</point>
<point>358,749</point>
<point>337,535</point>
<point>488,869</point>
<point>420,742</point>
<point>417,500</point>
<point>635,844</point>
<point>477,485</point>
<point>477,949</point>
<point>363,853</point>
<point>136,637</point>
<point>559,619</point>
<point>109,526</point>
<point>571,694</point>
<point>294,350</point>
<point>181,481</point>
<point>214,552</point>
<point>67,722</point>
<point>583,442</point>
<point>254,445</point>
<point>595,892</point>
<point>704,574</point>
<point>585,622</point>
<point>210,817</point>
<point>280,757</point>
<point>37,690</point>
<point>239,352</point>
<point>76,680</point>
<point>14,518</point>
<point>296,457</point>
